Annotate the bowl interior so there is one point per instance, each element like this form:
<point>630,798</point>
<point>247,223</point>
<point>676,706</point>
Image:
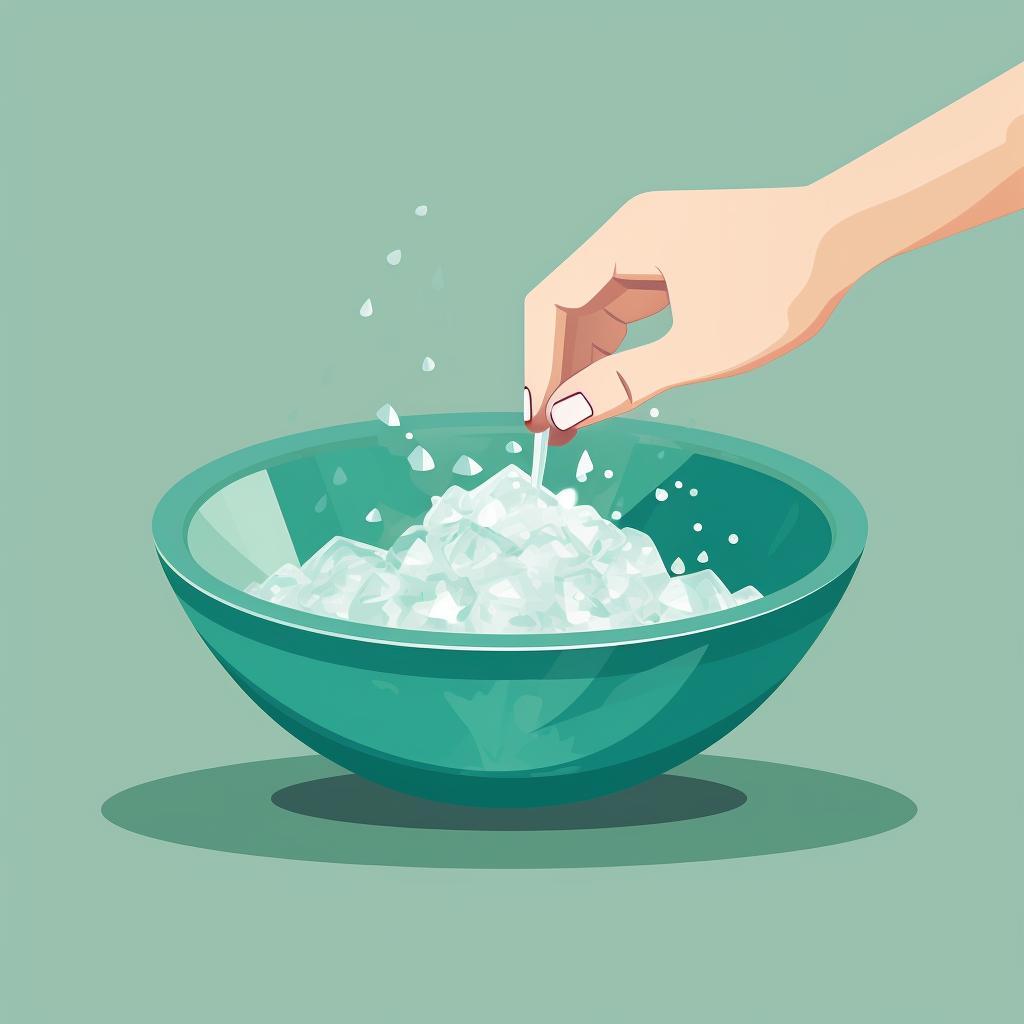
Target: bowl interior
<point>247,514</point>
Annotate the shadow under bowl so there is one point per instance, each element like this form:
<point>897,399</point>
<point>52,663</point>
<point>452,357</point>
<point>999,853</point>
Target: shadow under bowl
<point>503,720</point>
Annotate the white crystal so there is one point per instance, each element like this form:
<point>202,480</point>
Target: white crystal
<point>697,594</point>
<point>513,447</point>
<point>655,413</point>
<point>616,514</point>
<point>678,567</point>
<point>697,527</point>
<point>734,538</point>
<point>584,467</point>
<point>678,485</point>
<point>394,257</point>
<point>387,415</point>
<point>421,460</point>
<point>608,474</point>
<point>428,365</point>
<point>366,309</point>
<point>339,477</point>
<point>566,497</point>
<point>661,494</point>
<point>746,594</point>
<point>321,505</point>
<point>467,466</point>
<point>703,558</point>
<point>420,211</point>
<point>373,516</point>
<point>693,492</point>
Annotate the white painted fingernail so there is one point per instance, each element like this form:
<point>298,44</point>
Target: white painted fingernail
<point>527,406</point>
<point>571,411</point>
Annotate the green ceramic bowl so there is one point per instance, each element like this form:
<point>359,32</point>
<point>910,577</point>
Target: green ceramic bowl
<point>509,720</point>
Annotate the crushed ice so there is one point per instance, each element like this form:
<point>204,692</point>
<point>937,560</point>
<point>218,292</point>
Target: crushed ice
<point>504,557</point>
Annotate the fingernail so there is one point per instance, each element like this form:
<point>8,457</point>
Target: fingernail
<point>527,406</point>
<point>570,411</point>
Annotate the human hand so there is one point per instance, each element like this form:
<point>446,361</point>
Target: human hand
<point>740,267</point>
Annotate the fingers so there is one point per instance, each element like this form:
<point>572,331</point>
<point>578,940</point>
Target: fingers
<point>613,385</point>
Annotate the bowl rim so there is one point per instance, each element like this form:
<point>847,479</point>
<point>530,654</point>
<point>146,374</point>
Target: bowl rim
<point>174,512</point>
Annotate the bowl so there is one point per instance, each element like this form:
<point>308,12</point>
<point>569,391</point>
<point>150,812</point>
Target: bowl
<point>510,720</point>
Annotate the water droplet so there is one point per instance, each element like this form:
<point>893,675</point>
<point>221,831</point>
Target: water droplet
<point>394,257</point>
<point>366,309</point>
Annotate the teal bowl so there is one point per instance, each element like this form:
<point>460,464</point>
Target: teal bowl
<point>509,720</point>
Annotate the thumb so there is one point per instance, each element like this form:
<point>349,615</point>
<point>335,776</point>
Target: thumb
<point>613,384</point>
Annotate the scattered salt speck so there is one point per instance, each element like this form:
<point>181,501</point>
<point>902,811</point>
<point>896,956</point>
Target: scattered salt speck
<point>428,365</point>
<point>321,504</point>
<point>697,527</point>
<point>678,567</point>
<point>616,515</point>
<point>608,474</point>
<point>661,494</point>
<point>566,498</point>
<point>693,492</point>
<point>466,466</point>
<point>373,516</point>
<point>678,485</point>
<point>655,413</point>
<point>387,415</point>
<point>366,309</point>
<point>661,455</point>
<point>339,477</point>
<point>703,558</point>
<point>513,447</point>
<point>421,460</point>
<point>584,467</point>
<point>394,257</point>
<point>734,538</point>
<point>408,435</point>
<point>420,211</point>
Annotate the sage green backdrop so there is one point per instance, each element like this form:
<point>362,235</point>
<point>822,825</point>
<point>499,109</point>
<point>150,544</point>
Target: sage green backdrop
<point>199,196</point>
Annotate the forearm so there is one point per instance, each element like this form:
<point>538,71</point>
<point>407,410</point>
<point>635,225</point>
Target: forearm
<point>958,168</point>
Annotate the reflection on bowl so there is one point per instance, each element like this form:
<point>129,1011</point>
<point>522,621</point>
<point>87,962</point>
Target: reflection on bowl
<point>509,720</point>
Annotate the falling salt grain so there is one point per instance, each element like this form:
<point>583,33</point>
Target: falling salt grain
<point>420,460</point>
<point>697,527</point>
<point>655,413</point>
<point>678,567</point>
<point>321,505</point>
<point>703,558</point>
<point>661,494</point>
<point>679,485</point>
<point>394,257</point>
<point>608,474</point>
<point>408,435</point>
<point>465,466</point>
<point>420,211</point>
<point>513,447</point>
<point>366,309</point>
<point>428,365</point>
<point>734,538</point>
<point>339,477</point>
<point>387,415</point>
<point>373,516</point>
<point>693,492</point>
<point>584,467</point>
<point>616,515</point>
<point>566,498</point>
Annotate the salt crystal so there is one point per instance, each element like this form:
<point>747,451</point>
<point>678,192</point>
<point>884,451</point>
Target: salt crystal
<point>678,485</point>
<point>584,467</point>
<point>394,257</point>
<point>339,477</point>
<point>421,460</point>
<point>387,415</point>
<point>661,494</point>
<point>747,594</point>
<point>678,567</point>
<point>428,365</point>
<point>655,413</point>
<point>693,492</point>
<point>513,447</point>
<point>697,527</point>
<point>566,498</point>
<point>616,514</point>
<point>703,558</point>
<point>420,211</point>
<point>608,474</point>
<point>408,435</point>
<point>366,309</point>
<point>373,516</point>
<point>321,504</point>
<point>734,538</point>
<point>466,466</point>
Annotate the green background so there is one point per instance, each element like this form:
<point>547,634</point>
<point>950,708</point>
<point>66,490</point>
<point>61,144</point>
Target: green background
<point>197,199</point>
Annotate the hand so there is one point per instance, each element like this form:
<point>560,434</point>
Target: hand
<point>741,269</point>
<point>751,273</point>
